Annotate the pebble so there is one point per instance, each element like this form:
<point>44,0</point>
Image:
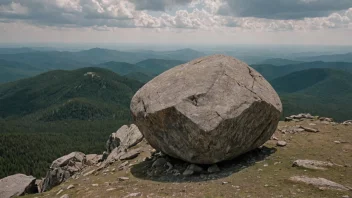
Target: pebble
<point>65,196</point>
<point>95,185</point>
<point>60,191</point>
<point>110,189</point>
<point>123,178</point>
<point>70,187</point>
<point>133,195</point>
<point>281,143</point>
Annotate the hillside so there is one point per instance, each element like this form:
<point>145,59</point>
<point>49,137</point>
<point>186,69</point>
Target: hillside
<point>279,62</point>
<point>139,76</point>
<point>264,172</point>
<point>89,93</point>
<point>57,112</point>
<point>329,58</point>
<point>325,92</point>
<point>271,72</point>
<point>122,68</point>
<point>157,66</point>
<point>11,71</point>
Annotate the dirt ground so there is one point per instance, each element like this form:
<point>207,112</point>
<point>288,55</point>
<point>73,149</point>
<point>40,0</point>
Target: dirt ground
<point>261,173</point>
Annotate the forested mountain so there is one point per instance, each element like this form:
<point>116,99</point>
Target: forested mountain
<point>279,62</point>
<point>58,112</point>
<point>329,58</point>
<point>11,71</point>
<point>271,72</point>
<point>324,92</point>
<point>83,94</point>
<point>122,68</point>
<point>157,66</point>
<point>139,76</point>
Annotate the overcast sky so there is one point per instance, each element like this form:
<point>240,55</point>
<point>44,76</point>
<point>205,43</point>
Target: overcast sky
<point>327,22</point>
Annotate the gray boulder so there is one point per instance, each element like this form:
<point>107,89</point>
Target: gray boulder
<point>126,136</point>
<point>208,110</point>
<point>17,185</point>
<point>63,168</point>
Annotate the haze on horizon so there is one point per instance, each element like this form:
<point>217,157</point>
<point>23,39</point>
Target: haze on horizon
<point>306,22</point>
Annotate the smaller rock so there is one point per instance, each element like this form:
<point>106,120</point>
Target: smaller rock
<point>325,122</point>
<point>281,143</point>
<point>191,169</point>
<point>169,166</point>
<point>224,182</point>
<point>110,189</point>
<point>310,129</point>
<point>60,191</point>
<point>326,119</point>
<point>337,142</point>
<point>133,195</point>
<point>95,185</point>
<point>213,169</point>
<point>70,187</point>
<point>312,124</point>
<point>123,178</point>
<point>274,138</point>
<point>312,164</point>
<point>123,165</point>
<point>320,183</point>
<point>130,154</point>
<point>345,196</point>
<point>160,162</point>
<point>89,173</point>
<point>65,196</point>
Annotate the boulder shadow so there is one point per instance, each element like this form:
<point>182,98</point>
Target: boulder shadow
<point>145,171</point>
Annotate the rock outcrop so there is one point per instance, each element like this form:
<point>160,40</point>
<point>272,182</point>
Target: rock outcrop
<point>119,143</point>
<point>208,110</point>
<point>63,168</point>
<point>17,185</point>
<point>126,136</point>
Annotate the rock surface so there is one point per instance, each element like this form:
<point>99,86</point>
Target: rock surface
<point>127,136</point>
<point>63,168</point>
<point>208,110</point>
<point>312,164</point>
<point>320,183</point>
<point>17,185</point>
<point>93,159</point>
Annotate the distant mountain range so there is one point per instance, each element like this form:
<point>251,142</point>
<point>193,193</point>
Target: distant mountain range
<point>324,92</point>
<point>33,62</point>
<point>329,58</point>
<point>279,62</point>
<point>271,72</point>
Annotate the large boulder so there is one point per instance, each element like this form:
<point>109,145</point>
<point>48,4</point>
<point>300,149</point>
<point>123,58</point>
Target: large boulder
<point>17,185</point>
<point>208,110</point>
<point>126,136</point>
<point>63,168</point>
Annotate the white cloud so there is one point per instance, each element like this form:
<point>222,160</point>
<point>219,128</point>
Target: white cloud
<point>199,14</point>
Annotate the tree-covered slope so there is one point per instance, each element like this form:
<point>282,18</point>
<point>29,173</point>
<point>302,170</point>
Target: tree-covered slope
<point>279,62</point>
<point>89,93</point>
<point>324,92</point>
<point>157,66</point>
<point>271,72</point>
<point>122,68</point>
<point>11,71</point>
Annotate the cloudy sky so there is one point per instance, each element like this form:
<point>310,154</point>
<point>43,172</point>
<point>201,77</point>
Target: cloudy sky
<point>327,22</point>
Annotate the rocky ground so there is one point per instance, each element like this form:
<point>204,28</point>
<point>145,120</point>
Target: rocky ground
<point>281,168</point>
